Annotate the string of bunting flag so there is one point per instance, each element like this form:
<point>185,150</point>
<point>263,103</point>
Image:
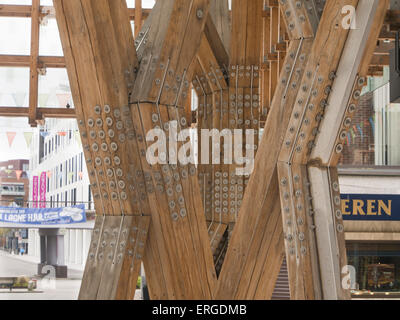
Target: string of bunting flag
<point>49,173</point>
<point>28,135</point>
<point>45,100</point>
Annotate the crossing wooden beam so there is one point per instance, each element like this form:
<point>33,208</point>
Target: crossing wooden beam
<point>34,75</point>
<point>306,58</point>
<point>221,18</point>
<point>284,56</point>
<point>315,245</point>
<point>322,170</point>
<point>255,252</point>
<point>158,100</point>
<point>41,112</point>
<point>100,91</point>
<point>210,83</point>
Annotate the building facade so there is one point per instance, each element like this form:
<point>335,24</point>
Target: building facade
<point>14,192</point>
<point>56,153</point>
<point>14,183</point>
<point>369,179</point>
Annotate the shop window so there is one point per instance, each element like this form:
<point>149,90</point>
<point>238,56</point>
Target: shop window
<point>377,266</point>
<point>373,138</point>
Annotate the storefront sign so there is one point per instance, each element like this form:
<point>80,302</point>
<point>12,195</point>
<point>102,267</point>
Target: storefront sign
<point>55,216</point>
<point>369,207</point>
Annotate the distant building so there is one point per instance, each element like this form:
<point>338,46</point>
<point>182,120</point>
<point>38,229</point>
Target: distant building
<point>14,191</point>
<point>57,152</point>
<point>14,183</point>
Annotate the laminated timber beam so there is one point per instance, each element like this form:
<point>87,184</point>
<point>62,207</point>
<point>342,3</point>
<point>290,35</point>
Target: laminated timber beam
<point>310,61</point>
<point>220,16</point>
<point>100,91</point>
<point>314,234</point>
<point>211,88</point>
<point>255,251</point>
<point>228,100</point>
<point>34,75</point>
<point>170,43</point>
<point>244,102</point>
<point>322,163</point>
<point>210,83</point>
<point>177,255</point>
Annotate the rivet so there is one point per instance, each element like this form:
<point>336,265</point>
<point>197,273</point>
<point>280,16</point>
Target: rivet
<point>339,148</point>
<point>199,13</point>
<point>114,146</point>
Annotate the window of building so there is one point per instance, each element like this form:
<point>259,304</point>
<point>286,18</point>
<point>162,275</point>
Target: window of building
<point>374,138</point>
<point>377,265</point>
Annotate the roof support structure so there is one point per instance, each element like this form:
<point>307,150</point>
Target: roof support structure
<point>167,214</point>
<point>100,90</point>
<point>177,255</point>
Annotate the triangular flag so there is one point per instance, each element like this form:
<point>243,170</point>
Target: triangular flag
<point>63,99</point>
<point>43,99</point>
<point>80,175</point>
<point>18,173</point>
<point>49,174</point>
<point>19,99</point>
<point>62,133</point>
<point>11,137</point>
<point>28,138</point>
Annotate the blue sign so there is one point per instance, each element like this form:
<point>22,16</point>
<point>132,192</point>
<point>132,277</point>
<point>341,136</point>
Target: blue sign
<point>54,216</point>
<point>371,207</point>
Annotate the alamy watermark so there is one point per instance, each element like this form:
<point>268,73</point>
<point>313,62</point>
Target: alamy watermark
<point>349,278</point>
<point>180,147</point>
<point>350,19</point>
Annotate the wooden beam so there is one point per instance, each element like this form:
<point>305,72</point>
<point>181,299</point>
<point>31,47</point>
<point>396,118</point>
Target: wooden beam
<point>158,98</point>
<point>303,56</point>
<point>315,243</point>
<point>25,61</point>
<point>219,11</point>
<point>24,11</point>
<point>351,77</point>
<point>100,91</point>
<point>41,112</point>
<point>138,16</point>
<point>210,68</point>
<point>34,76</point>
<point>7,10</point>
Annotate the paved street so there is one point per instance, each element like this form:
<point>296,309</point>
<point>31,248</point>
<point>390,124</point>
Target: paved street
<point>62,289</point>
<point>13,266</point>
<point>16,266</point>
